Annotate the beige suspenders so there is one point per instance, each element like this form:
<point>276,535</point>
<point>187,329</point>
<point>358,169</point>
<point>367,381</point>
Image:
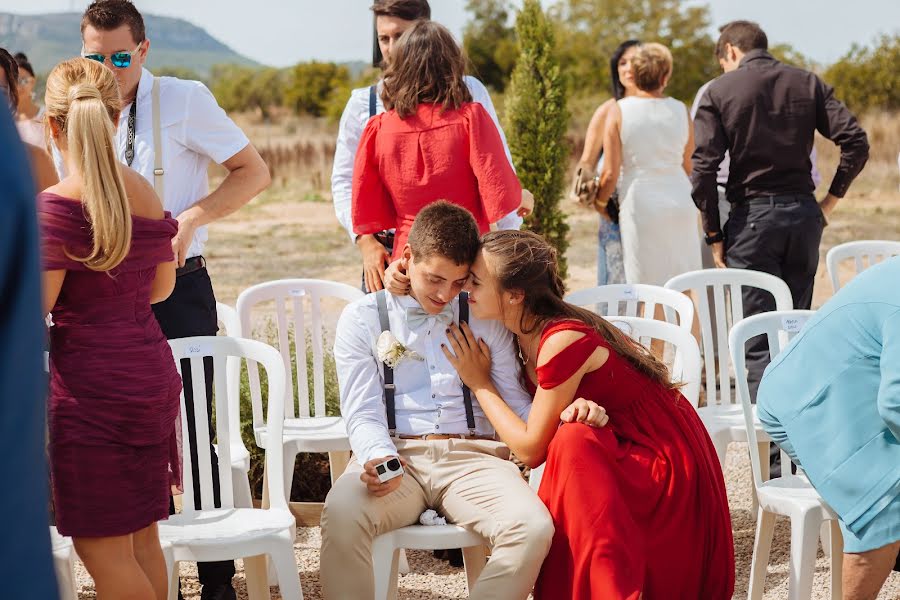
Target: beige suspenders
<point>158,170</point>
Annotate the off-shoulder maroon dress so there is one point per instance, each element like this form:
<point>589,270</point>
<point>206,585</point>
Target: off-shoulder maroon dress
<point>114,390</point>
<point>639,506</point>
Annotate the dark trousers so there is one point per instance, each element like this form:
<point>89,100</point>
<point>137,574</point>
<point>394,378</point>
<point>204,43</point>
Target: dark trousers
<point>190,311</point>
<point>780,236</point>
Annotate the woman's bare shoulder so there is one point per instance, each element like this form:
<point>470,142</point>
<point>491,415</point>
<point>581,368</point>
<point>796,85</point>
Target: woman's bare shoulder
<point>144,201</point>
<point>560,340</point>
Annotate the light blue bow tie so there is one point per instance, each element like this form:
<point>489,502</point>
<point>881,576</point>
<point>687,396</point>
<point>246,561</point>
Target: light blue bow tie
<point>416,316</point>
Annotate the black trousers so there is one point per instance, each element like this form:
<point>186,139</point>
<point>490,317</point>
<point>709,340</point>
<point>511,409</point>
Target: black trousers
<point>190,311</point>
<point>779,235</point>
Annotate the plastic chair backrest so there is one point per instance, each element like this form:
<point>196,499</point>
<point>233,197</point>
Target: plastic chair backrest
<point>725,285</point>
<point>779,327</point>
<point>304,298</point>
<point>865,253</point>
<point>625,300</point>
<point>194,350</point>
<point>686,366</point>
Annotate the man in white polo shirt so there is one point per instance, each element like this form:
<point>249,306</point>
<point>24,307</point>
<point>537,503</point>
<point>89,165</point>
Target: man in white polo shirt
<point>392,19</point>
<point>172,148</point>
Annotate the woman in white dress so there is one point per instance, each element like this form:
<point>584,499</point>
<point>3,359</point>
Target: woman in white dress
<point>650,136</point>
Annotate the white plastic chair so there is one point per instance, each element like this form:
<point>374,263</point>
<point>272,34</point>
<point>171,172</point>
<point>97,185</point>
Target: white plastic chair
<point>790,496</point>
<point>622,300</point>
<point>64,565</point>
<point>721,415</point>
<point>386,552</point>
<point>230,325</point>
<point>686,367</point>
<point>217,534</point>
<point>864,254</point>
<point>305,430</point>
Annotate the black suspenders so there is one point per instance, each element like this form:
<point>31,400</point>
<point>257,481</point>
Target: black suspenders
<point>467,394</point>
<point>388,371</point>
<point>390,389</point>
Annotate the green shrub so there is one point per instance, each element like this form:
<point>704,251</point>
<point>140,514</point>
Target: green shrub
<point>311,472</point>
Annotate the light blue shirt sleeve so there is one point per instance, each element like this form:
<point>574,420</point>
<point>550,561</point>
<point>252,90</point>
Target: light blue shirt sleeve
<point>889,388</point>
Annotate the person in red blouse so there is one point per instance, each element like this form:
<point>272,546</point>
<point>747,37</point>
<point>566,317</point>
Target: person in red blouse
<point>433,143</point>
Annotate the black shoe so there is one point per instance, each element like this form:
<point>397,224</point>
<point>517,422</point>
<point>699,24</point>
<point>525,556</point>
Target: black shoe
<point>455,557</point>
<point>219,592</point>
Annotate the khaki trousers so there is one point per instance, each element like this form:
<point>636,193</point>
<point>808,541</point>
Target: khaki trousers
<point>470,482</point>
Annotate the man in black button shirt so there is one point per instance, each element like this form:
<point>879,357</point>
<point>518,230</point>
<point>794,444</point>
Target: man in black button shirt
<point>765,114</point>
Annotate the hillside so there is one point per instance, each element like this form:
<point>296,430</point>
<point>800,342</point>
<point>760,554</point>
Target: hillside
<point>48,39</point>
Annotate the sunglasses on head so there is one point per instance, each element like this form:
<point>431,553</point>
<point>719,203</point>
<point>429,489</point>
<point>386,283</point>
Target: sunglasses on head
<point>120,60</point>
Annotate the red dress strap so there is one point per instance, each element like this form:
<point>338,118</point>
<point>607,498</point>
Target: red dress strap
<point>561,367</point>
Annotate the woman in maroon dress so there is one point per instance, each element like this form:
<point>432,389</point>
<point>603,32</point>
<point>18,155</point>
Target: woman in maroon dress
<point>433,143</point>
<point>114,389</point>
<point>639,506</point>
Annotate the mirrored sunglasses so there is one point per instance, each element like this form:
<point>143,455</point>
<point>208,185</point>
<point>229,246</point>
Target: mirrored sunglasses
<point>120,60</point>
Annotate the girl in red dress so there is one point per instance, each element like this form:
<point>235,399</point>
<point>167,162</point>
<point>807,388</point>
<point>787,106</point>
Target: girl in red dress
<point>114,390</point>
<point>433,143</point>
<point>639,505</point>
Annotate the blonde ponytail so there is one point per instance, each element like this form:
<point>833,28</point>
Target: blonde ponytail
<point>83,98</point>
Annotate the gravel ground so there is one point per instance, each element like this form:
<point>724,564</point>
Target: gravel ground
<point>433,580</point>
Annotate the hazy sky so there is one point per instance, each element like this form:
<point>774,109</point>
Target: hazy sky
<point>283,32</point>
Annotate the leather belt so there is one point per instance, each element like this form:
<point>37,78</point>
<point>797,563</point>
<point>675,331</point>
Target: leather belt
<point>779,199</point>
<point>194,263</point>
<point>445,436</point>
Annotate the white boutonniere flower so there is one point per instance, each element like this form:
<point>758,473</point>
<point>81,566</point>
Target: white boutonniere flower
<point>391,352</point>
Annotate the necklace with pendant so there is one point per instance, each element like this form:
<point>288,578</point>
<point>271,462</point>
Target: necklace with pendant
<point>522,357</point>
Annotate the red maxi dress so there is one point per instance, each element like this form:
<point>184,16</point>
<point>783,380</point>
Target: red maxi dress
<point>114,399</point>
<point>639,506</point>
<point>402,165</point>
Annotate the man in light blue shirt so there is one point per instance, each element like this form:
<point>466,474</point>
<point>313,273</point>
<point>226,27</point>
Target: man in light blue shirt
<point>831,400</point>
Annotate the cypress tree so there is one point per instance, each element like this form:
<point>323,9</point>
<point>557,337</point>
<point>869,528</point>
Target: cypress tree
<point>537,118</point>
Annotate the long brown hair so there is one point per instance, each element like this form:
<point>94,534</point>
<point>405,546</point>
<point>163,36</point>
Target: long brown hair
<point>83,100</point>
<point>426,67</point>
<point>10,68</point>
<point>524,261</point>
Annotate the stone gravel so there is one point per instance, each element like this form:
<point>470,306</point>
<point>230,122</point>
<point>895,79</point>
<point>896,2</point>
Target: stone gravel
<point>431,579</point>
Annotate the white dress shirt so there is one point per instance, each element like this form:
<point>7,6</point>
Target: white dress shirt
<point>194,131</point>
<point>353,123</point>
<point>428,396</point>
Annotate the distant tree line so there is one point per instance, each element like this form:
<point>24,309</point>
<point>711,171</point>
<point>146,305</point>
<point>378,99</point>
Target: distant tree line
<point>587,32</point>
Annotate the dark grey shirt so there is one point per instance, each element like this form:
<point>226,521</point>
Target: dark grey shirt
<point>765,114</point>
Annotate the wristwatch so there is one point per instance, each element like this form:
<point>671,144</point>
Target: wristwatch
<point>714,238</point>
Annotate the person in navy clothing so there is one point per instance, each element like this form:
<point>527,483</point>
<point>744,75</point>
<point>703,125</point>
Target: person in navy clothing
<point>25,544</point>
